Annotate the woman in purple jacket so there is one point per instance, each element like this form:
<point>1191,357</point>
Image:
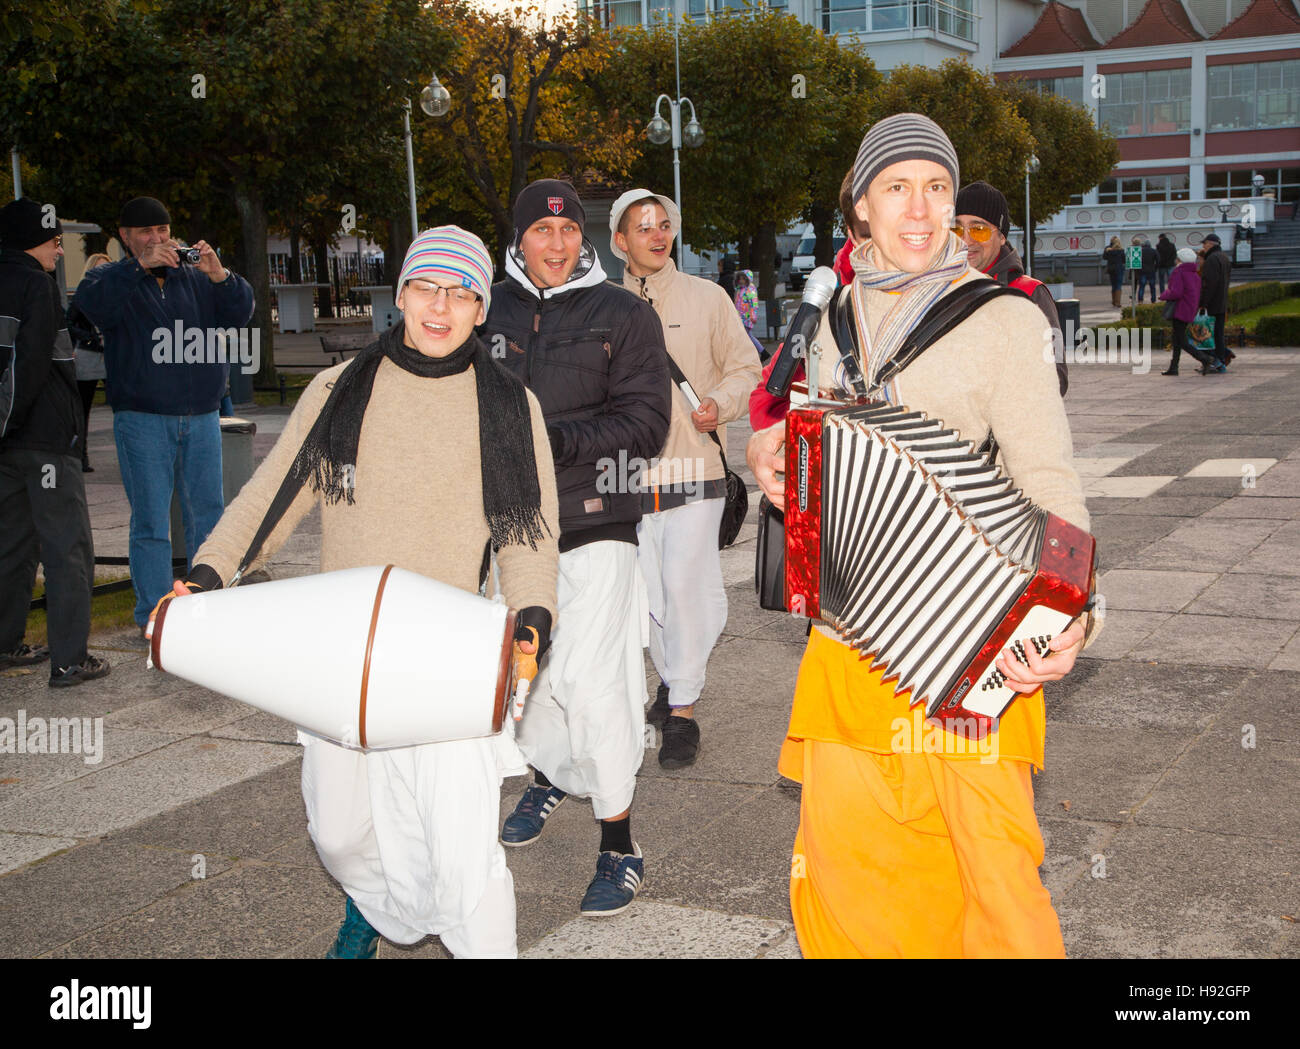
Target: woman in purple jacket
<point>1184,292</point>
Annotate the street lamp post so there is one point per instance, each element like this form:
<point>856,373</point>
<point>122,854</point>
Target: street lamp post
<point>659,131</point>
<point>1031,167</point>
<point>18,174</point>
<point>435,100</point>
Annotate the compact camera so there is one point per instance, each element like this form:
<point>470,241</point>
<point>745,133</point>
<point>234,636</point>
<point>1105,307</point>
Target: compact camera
<point>188,256</point>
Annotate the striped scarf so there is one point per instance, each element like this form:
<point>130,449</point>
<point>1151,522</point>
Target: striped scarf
<point>917,293</point>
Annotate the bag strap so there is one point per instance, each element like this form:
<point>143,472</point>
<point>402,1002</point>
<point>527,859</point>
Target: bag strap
<point>289,489</point>
<point>940,319</point>
<point>844,327</point>
<point>678,379</point>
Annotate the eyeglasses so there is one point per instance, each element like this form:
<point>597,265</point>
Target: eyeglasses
<point>979,234</point>
<point>429,290</point>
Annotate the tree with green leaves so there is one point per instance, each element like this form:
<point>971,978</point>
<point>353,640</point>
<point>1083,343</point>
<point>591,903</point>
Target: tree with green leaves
<point>781,104</point>
<point>520,109</point>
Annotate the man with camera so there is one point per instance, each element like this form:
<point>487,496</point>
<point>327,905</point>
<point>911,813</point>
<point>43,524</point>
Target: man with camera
<point>165,421</point>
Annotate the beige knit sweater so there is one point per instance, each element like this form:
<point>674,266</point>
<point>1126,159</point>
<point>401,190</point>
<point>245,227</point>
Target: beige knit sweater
<point>705,337</point>
<point>991,373</point>
<point>418,491</point>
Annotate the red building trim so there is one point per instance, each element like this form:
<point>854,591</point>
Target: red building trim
<point>1244,57</point>
<point>1256,140</point>
<point>1141,66</point>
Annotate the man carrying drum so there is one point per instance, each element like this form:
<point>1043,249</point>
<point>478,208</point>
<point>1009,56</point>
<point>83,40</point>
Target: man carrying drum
<point>907,848</point>
<point>421,452</point>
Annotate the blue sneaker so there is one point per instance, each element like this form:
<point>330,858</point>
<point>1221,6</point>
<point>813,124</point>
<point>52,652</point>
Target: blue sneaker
<point>357,938</point>
<point>617,881</point>
<point>524,825</point>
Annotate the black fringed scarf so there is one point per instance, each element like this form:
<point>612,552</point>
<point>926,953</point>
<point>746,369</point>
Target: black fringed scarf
<point>512,500</point>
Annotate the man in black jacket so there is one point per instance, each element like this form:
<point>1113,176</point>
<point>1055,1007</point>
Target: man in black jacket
<point>1166,260</point>
<point>1216,271</point>
<point>984,221</point>
<point>42,496</point>
<point>594,356</point>
<point>1147,275</point>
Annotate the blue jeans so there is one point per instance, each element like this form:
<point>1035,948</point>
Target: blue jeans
<point>156,454</point>
<point>1146,280</point>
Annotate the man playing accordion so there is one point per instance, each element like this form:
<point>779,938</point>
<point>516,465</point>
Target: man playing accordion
<point>915,843</point>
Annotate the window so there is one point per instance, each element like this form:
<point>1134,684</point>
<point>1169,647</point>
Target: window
<point>1256,95</point>
<point>1283,183</point>
<point>1067,87</point>
<point>1169,101</point>
<point>1121,108</point>
<point>1153,103</point>
<point>612,12</point>
<point>953,17</point>
<point>1137,189</point>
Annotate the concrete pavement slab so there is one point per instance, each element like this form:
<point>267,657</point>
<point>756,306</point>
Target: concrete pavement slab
<point>1203,546</point>
<point>659,930</point>
<point>1254,596</point>
<point>1269,506</point>
<point>1264,705</point>
<point>1104,773</point>
<point>1122,537</point>
<point>1125,633</point>
<point>1222,786</point>
<point>1218,640</point>
<point>1289,657</point>
<point>1234,468</point>
<point>1169,894</point>
<point>48,904</point>
<point>141,787</point>
<point>1171,591</point>
<point>261,726</point>
<point>1131,694</point>
<point>1124,487</point>
<point>18,850</point>
<point>248,911</point>
<point>1162,505</point>
<point>252,818</point>
<point>24,776</point>
<point>183,713</point>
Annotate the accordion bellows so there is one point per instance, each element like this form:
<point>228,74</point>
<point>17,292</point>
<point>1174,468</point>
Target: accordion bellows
<point>922,555</point>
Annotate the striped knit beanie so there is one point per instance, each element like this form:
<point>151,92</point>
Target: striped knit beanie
<point>904,136</point>
<point>449,251</point>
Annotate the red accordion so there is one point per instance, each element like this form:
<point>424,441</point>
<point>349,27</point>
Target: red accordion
<point>916,549</point>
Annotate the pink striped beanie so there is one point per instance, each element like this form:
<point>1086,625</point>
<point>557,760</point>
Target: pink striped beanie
<point>449,251</point>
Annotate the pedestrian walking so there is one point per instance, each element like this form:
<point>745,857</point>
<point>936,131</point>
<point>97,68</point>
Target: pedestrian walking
<point>1216,274</point>
<point>683,496</point>
<point>1183,295</point>
<point>594,356</point>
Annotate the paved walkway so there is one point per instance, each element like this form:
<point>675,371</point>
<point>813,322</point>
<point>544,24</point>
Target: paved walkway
<point>1167,805</point>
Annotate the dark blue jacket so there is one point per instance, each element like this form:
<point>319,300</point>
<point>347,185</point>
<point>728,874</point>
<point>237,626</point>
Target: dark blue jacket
<point>126,304</point>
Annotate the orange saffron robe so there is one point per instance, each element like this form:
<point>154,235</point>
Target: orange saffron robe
<point>913,841</point>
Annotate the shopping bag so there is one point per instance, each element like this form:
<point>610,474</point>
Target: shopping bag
<point>1201,331</point>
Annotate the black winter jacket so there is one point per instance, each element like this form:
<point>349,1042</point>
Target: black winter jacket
<point>40,408</point>
<point>1150,260</point>
<point>1166,254</point>
<point>594,356</point>
<point>1215,272</point>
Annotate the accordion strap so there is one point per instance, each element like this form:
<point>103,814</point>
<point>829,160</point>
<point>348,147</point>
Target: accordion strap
<point>940,319</point>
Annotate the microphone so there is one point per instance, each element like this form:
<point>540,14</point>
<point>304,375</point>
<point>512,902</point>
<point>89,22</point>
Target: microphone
<point>817,293</point>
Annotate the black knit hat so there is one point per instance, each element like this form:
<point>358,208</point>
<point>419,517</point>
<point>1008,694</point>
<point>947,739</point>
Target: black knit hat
<point>25,224</point>
<point>979,198</point>
<point>547,196</point>
<point>144,211</point>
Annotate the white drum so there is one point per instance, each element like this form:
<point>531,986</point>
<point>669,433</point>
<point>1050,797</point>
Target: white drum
<point>368,657</point>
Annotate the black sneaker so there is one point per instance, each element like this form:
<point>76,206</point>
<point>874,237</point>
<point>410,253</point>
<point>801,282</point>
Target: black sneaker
<point>92,668</point>
<point>24,656</point>
<point>659,709</point>
<point>681,743</point>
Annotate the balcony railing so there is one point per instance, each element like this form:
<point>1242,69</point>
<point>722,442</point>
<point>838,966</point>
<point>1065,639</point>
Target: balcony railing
<point>950,17</point>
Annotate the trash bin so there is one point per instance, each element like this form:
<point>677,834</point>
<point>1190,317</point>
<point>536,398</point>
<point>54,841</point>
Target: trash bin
<point>236,468</point>
<point>1068,312</point>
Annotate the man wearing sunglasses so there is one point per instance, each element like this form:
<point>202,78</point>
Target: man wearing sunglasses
<point>983,220</point>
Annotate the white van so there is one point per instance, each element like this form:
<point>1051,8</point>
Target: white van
<point>804,262</point>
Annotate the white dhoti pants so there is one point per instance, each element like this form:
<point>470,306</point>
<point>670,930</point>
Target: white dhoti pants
<point>411,835</point>
<point>584,722</point>
<point>680,560</point>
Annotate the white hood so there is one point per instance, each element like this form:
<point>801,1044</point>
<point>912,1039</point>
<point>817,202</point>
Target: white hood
<point>587,274</point>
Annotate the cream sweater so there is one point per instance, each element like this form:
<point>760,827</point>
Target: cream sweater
<point>991,373</point>
<point>418,491</point>
<point>705,337</point>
